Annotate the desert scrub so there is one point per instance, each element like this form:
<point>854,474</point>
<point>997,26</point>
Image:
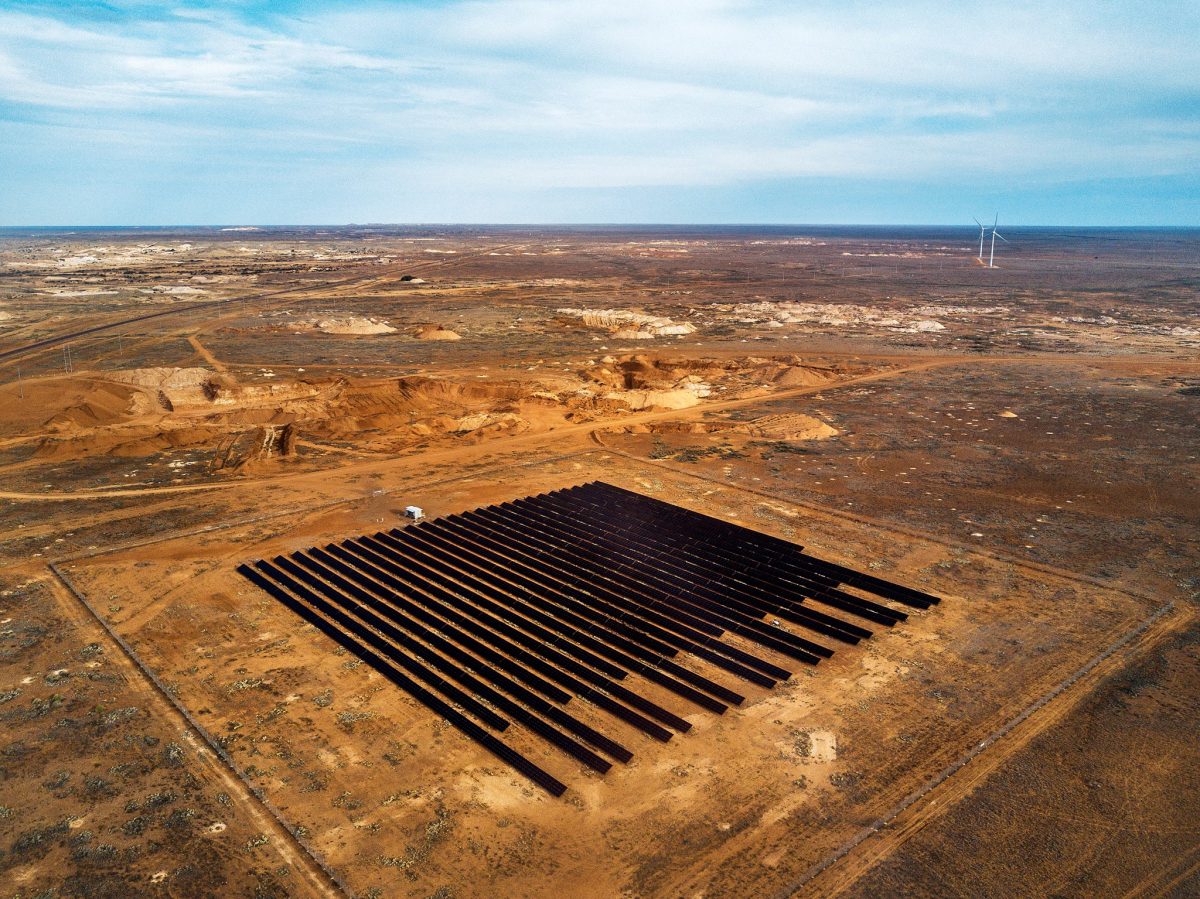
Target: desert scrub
<point>315,782</point>
<point>435,831</point>
<point>272,716</point>
<point>180,818</point>
<point>696,453</point>
<point>261,840</point>
<point>118,716</point>
<point>772,448</point>
<point>159,799</point>
<point>96,786</point>
<point>659,450</point>
<point>40,840</point>
<point>137,826</point>
<point>246,683</point>
<point>173,755</point>
<point>348,719</point>
<point>345,801</point>
<point>39,708</point>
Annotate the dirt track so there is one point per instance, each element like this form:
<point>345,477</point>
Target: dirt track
<point>841,871</point>
<point>317,880</point>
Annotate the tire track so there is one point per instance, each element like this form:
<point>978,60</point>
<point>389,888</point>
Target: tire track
<point>296,850</point>
<point>945,790</point>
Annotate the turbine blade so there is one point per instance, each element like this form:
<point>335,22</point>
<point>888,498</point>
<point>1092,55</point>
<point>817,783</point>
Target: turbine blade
<point>977,221</point>
<point>1001,236</point>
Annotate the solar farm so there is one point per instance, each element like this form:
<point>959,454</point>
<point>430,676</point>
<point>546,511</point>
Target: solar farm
<point>590,675</point>
<point>506,613</point>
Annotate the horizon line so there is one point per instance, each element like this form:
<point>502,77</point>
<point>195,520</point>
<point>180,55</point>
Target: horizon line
<point>469,224</point>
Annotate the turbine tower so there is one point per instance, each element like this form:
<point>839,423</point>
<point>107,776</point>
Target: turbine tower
<point>982,228</point>
<point>995,234</point>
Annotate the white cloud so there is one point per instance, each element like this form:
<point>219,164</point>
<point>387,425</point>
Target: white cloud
<point>629,93</point>
<point>51,63</point>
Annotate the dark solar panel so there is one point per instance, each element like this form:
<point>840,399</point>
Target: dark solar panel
<point>591,592</point>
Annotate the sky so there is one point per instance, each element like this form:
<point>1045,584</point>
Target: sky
<point>613,111</point>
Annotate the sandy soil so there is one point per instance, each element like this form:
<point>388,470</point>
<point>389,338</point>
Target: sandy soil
<point>841,743</point>
<point>1116,820</point>
<point>105,791</point>
<point>1031,458</point>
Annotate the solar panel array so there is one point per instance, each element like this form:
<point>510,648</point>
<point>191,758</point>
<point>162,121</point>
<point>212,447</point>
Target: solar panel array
<point>507,613</point>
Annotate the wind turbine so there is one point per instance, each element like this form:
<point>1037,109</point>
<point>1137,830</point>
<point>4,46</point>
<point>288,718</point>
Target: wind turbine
<point>992,254</point>
<point>982,228</point>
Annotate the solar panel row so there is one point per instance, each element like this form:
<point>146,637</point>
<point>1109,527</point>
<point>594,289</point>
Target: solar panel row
<point>680,575</point>
<point>515,609</point>
<point>482,650</point>
<point>802,561</point>
<point>333,590</point>
<point>496,632</point>
<point>574,581</point>
<point>490,663</point>
<point>571,552</point>
<point>776,593</point>
<point>430,700</point>
<point>527,603</point>
<point>544,642</point>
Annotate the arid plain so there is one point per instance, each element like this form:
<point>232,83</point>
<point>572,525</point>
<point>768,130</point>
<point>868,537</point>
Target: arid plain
<point>1021,441</point>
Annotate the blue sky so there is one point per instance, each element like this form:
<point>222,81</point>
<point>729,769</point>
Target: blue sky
<point>618,111</point>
